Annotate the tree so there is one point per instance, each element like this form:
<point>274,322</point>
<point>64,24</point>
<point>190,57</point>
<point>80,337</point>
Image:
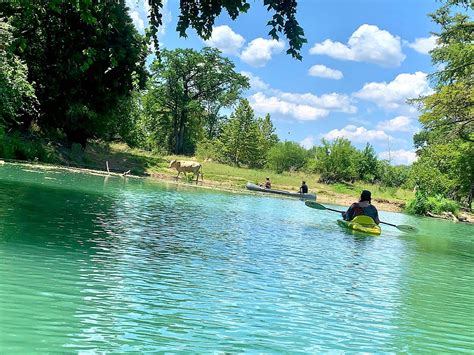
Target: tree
<point>336,161</point>
<point>240,137</point>
<point>393,176</point>
<point>445,144</point>
<point>267,130</point>
<point>447,170</point>
<point>83,64</point>
<point>201,15</point>
<point>184,83</point>
<point>17,95</point>
<point>367,164</point>
<point>450,109</point>
<point>286,156</point>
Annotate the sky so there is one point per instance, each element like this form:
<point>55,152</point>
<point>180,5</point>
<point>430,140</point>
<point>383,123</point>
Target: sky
<point>363,60</point>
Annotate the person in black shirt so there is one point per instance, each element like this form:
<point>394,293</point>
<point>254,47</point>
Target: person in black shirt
<point>364,207</point>
<point>304,188</point>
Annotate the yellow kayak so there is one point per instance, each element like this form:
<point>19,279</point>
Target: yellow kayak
<point>363,224</point>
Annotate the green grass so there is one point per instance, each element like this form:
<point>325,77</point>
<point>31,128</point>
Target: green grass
<point>379,192</point>
<point>236,177</point>
<point>122,158</point>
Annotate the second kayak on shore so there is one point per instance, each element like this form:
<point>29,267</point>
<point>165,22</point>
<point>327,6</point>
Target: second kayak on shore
<point>254,187</point>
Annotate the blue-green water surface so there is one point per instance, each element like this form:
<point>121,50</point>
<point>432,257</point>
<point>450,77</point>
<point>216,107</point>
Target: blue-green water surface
<point>108,264</point>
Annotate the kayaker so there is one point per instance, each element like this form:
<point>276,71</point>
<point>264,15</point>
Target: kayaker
<point>362,208</point>
<point>268,184</point>
<point>304,188</point>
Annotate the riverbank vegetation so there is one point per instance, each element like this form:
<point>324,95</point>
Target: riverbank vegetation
<point>73,75</point>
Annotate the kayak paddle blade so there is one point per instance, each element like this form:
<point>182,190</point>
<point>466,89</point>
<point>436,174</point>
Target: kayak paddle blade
<point>407,229</point>
<point>314,204</point>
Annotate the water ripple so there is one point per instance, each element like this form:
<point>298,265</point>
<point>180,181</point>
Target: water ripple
<point>94,264</point>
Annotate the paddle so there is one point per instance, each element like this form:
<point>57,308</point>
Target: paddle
<point>402,227</point>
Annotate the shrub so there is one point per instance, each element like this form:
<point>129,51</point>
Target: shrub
<point>14,146</point>
<point>336,161</point>
<point>423,204</point>
<point>209,149</point>
<point>286,156</point>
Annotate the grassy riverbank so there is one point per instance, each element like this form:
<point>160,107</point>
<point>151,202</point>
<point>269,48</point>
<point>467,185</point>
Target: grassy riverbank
<point>121,158</point>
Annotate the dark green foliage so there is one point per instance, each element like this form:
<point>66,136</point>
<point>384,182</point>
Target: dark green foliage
<point>287,156</point>
<point>84,59</point>
<point>201,16</point>
<point>16,146</point>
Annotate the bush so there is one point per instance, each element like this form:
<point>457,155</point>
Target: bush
<point>394,176</point>
<point>423,204</point>
<point>208,149</point>
<point>17,96</point>
<point>14,146</point>
<point>336,161</point>
<point>286,156</point>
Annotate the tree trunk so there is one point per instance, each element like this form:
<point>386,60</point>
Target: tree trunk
<point>180,133</point>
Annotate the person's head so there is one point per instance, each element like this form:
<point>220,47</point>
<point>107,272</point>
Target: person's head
<point>268,179</point>
<point>365,196</point>
<point>304,182</point>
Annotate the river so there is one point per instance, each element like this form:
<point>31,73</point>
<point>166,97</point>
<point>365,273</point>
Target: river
<point>108,264</point>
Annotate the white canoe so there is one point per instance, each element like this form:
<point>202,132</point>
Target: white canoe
<point>254,187</point>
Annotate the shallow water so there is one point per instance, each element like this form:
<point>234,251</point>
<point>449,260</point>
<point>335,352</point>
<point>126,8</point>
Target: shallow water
<point>93,263</point>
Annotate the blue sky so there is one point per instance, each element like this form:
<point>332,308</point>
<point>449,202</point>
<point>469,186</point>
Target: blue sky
<point>362,61</point>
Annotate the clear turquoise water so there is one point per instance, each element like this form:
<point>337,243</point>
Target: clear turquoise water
<point>106,264</point>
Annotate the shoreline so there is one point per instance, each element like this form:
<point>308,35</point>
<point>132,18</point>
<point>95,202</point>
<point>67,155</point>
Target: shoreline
<point>322,196</point>
<point>329,197</point>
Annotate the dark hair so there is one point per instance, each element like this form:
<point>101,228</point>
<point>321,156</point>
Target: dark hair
<point>365,196</point>
<point>304,182</point>
<point>268,178</point>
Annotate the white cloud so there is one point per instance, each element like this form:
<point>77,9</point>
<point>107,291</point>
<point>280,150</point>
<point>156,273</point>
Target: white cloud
<point>398,124</point>
<point>256,83</point>
<point>137,20</point>
<point>226,40</point>
<point>308,142</point>
<point>332,101</point>
<point>367,44</point>
<point>146,5</point>
<point>399,157</point>
<point>259,51</point>
<point>357,134</point>
<point>423,45</point>
<point>166,19</point>
<point>139,11</point>
<point>393,95</point>
<point>323,71</point>
<point>272,104</point>
<point>303,107</point>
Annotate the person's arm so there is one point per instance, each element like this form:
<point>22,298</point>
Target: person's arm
<point>376,219</point>
<point>348,214</point>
